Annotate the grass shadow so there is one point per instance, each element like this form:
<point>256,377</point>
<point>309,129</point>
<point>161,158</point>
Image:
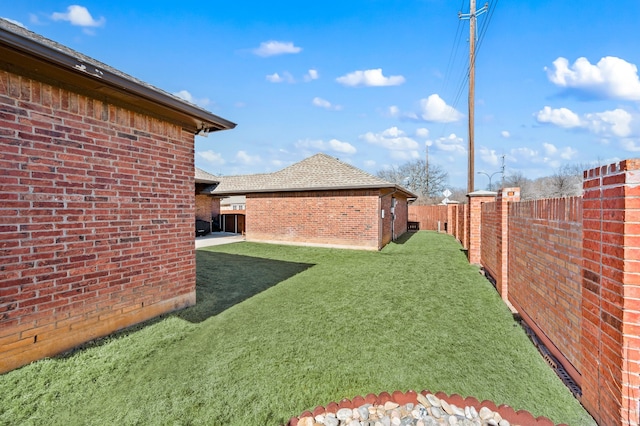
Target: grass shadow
<point>224,280</point>
<point>403,238</point>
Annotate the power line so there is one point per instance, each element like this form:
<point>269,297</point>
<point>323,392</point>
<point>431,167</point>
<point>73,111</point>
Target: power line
<point>453,52</point>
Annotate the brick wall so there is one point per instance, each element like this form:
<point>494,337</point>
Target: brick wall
<point>474,224</point>
<point>490,229</point>
<point>337,218</point>
<point>573,273</point>
<point>206,206</point>
<point>96,219</point>
<point>611,293</point>
<point>545,255</point>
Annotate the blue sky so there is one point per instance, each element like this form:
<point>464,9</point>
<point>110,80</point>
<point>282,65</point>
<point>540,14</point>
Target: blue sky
<point>374,82</point>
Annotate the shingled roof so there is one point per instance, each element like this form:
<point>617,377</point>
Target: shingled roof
<point>205,177</point>
<point>319,172</point>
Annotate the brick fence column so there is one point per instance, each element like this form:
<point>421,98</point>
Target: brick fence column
<point>610,337</point>
<point>505,196</point>
<point>474,223</point>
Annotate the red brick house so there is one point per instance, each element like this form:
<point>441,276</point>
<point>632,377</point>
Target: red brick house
<point>321,201</point>
<point>96,198</point>
<point>207,206</point>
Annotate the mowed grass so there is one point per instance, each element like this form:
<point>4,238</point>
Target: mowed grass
<point>280,329</point>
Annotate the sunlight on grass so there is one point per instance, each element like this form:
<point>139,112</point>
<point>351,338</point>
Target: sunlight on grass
<point>279,329</point>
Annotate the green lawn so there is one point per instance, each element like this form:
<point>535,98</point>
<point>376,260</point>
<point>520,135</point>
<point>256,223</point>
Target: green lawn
<point>279,330</point>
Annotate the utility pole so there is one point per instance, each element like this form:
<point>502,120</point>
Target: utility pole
<point>427,165</point>
<point>472,17</point>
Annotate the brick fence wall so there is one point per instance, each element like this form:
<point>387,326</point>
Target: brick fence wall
<point>611,292</point>
<point>96,219</point>
<point>571,268</point>
<point>489,251</point>
<point>544,272</point>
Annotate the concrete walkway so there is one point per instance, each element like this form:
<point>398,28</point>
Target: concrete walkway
<point>217,238</point>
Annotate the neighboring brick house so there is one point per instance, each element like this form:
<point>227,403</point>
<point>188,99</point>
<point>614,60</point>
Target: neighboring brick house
<point>233,214</point>
<point>207,206</point>
<point>96,198</point>
<point>321,201</point>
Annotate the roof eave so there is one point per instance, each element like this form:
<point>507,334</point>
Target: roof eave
<point>309,189</point>
<point>17,51</point>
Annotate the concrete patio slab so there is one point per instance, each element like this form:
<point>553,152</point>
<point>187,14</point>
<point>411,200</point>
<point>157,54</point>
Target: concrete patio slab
<point>217,238</point>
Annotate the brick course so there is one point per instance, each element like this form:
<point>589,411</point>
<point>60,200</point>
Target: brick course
<point>96,219</point>
<point>343,218</point>
<point>610,303</point>
<point>207,206</point>
<point>545,253</point>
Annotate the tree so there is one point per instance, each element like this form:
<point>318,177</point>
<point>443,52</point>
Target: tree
<point>566,181</point>
<point>517,179</point>
<point>413,175</point>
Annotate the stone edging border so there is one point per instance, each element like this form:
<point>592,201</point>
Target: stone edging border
<point>520,417</point>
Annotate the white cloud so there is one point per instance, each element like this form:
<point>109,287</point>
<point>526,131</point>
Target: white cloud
<point>562,117</point>
<point>611,77</point>
<point>277,78</point>
<point>323,103</point>
<point>435,109</point>
<point>405,155</point>
<point>489,156</point>
<point>568,153</point>
<point>246,159</point>
<point>525,153</point>
<point>274,78</point>
<point>79,16</point>
<point>393,111</point>
<point>422,132</point>
<point>184,94</point>
<point>630,145</point>
<point>616,122</point>
<point>393,139</point>
<point>273,48</point>
<point>451,143</point>
<point>311,75</point>
<point>332,145</point>
<point>339,146</point>
<point>505,134</point>
<point>550,155</point>
<point>370,78</point>
<point>212,157</point>
<point>549,149</point>
<point>370,163</point>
